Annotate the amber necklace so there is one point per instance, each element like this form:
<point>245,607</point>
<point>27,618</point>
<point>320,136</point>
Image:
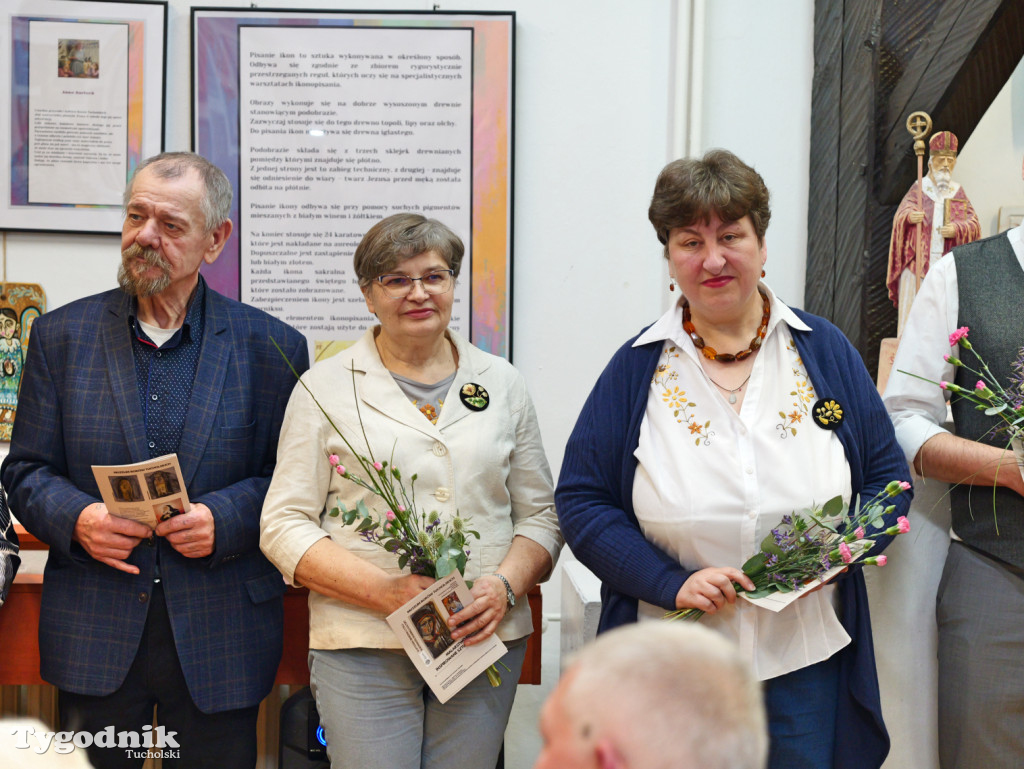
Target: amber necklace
<point>711,353</point>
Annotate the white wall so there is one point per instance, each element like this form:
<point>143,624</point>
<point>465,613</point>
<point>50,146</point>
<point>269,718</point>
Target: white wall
<point>759,63</point>
<point>989,164</point>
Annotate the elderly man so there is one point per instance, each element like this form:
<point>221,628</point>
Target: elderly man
<point>655,695</point>
<point>947,219</point>
<point>980,605</point>
<point>187,618</point>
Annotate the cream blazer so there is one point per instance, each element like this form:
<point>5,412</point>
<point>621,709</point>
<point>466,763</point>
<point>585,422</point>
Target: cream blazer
<point>488,466</point>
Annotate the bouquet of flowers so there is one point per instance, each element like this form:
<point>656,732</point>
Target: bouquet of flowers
<point>989,395</point>
<point>421,541</point>
<point>804,547</point>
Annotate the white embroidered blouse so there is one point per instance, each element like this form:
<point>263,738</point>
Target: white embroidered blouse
<point>712,483</point>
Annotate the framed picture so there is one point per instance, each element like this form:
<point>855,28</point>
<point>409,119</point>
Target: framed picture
<point>82,89</point>
<point>327,122</point>
<point>1010,216</point>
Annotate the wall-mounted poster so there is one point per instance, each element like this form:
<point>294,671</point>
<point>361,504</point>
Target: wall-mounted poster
<point>327,122</point>
<point>82,85</point>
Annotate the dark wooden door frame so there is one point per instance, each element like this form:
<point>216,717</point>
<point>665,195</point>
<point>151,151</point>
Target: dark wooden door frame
<point>875,62</point>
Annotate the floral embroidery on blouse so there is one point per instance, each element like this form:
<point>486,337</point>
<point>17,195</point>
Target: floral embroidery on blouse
<point>677,400</point>
<point>428,410</point>
<point>802,393</point>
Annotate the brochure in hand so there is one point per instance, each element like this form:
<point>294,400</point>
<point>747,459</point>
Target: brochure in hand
<point>147,492</point>
<point>422,626</point>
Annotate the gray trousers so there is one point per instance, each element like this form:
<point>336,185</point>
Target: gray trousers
<point>980,614</point>
<point>377,712</point>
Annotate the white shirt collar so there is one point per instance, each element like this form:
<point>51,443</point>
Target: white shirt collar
<point>670,325</point>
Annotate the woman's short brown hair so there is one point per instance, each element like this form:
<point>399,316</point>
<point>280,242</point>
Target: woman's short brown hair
<point>720,183</point>
<point>391,241</point>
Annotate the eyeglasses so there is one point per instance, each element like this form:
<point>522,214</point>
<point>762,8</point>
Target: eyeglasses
<point>436,282</point>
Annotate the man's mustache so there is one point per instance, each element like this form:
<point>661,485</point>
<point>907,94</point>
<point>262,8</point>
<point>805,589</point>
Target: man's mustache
<point>150,256</point>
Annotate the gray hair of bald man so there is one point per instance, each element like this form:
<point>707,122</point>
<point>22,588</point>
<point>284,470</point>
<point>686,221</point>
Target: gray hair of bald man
<point>670,695</point>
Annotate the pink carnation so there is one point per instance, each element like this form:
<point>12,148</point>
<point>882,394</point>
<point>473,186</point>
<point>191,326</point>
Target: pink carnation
<point>905,485</point>
<point>957,335</point>
<point>378,466</point>
<point>980,386</point>
<point>859,532</point>
<point>881,560</point>
<point>339,469</point>
<point>334,460</point>
<point>389,515</point>
<point>401,508</point>
<point>844,552</point>
<point>944,384</point>
<point>903,524</point>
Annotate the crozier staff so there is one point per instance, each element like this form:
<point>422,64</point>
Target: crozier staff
<point>702,432</point>
<point>460,419</point>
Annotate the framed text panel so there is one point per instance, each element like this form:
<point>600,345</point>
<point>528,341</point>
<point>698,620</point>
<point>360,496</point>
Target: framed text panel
<point>84,86</point>
<point>327,122</point>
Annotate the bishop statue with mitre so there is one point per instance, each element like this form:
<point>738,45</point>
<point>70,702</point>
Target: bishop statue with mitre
<point>947,219</point>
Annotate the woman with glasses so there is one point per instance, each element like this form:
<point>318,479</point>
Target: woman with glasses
<point>431,404</point>
<point>708,428</point>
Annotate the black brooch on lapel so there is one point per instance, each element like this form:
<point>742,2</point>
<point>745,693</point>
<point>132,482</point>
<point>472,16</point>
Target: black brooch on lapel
<point>828,413</point>
<point>474,396</point>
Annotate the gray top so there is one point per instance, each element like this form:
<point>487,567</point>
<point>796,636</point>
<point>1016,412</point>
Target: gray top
<point>429,399</point>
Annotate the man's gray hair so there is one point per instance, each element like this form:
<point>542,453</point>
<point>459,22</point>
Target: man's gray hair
<point>670,695</point>
<point>215,204</point>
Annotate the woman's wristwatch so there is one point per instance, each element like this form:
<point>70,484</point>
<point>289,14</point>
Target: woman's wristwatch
<point>510,596</point>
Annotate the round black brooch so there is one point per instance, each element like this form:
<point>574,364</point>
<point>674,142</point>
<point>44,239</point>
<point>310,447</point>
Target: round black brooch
<point>827,413</point>
<point>474,396</point>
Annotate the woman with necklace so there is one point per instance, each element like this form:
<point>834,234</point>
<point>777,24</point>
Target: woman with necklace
<point>461,420</point>
<point>702,433</point>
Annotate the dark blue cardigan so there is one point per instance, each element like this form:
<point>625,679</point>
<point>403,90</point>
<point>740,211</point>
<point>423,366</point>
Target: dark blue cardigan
<point>594,500</point>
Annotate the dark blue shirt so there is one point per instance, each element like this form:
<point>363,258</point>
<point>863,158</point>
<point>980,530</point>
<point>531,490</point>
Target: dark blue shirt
<point>165,375</point>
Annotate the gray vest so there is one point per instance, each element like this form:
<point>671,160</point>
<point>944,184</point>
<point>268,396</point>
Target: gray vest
<point>991,291</point>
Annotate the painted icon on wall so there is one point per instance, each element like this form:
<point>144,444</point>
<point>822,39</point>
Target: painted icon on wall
<point>20,305</point>
<point>78,58</point>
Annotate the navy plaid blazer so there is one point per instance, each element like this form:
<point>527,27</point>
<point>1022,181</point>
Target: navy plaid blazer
<point>79,406</point>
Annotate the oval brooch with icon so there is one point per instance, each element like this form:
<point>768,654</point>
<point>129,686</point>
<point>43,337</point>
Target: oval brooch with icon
<point>828,413</point>
<point>474,396</point>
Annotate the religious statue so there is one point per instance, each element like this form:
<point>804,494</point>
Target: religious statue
<point>933,217</point>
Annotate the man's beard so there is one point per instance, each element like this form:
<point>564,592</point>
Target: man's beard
<point>129,274</point>
<point>942,179</point>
